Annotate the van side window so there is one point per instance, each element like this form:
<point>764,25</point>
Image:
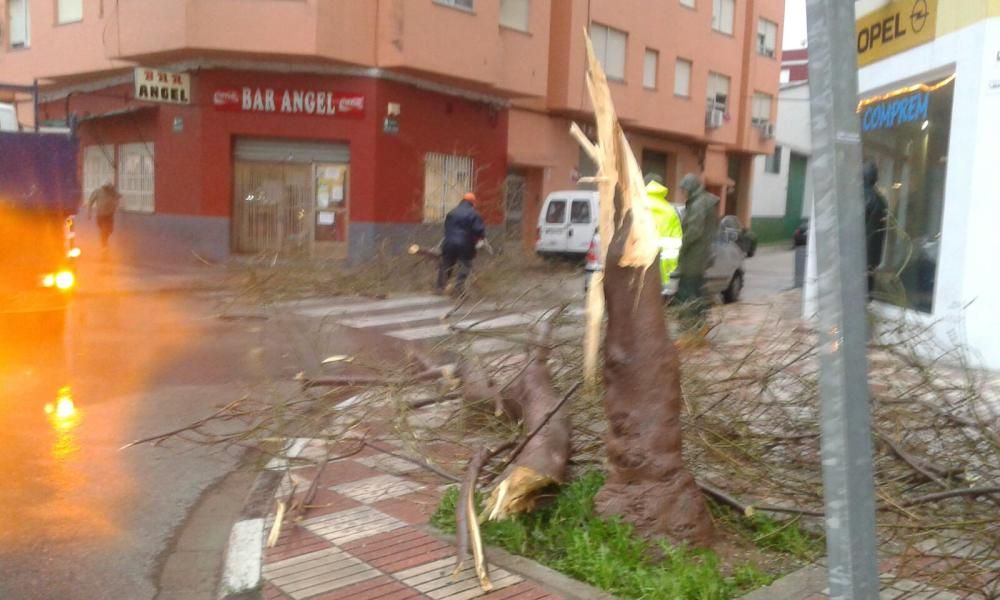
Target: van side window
<point>556,213</point>
<point>580,212</point>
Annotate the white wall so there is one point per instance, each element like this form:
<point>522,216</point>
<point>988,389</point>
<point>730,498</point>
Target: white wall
<point>967,289</point>
<point>792,133</point>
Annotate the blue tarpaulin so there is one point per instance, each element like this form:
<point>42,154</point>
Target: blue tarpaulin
<point>38,172</point>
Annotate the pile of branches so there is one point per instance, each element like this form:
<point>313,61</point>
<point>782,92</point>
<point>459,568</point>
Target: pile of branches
<point>751,427</point>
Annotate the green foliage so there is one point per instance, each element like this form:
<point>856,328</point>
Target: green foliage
<point>786,537</point>
<point>567,536</point>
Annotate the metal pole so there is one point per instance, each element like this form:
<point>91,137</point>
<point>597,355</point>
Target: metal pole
<point>840,245</point>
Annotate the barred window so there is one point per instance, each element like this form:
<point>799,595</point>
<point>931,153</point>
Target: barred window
<point>135,177</point>
<point>446,178</point>
<point>98,168</point>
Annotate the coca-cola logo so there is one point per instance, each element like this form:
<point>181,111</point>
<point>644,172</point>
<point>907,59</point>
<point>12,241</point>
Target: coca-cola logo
<point>226,98</point>
<point>351,104</point>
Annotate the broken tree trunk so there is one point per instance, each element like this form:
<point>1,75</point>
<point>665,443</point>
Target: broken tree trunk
<point>647,483</point>
<point>540,461</point>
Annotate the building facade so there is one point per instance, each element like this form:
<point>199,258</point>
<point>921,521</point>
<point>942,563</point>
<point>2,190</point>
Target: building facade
<point>339,127</point>
<point>929,108</point>
<point>782,181</point>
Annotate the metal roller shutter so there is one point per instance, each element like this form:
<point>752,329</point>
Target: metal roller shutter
<point>272,150</point>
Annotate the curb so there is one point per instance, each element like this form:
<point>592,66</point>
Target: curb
<point>549,579</point>
<point>794,586</point>
<point>241,571</point>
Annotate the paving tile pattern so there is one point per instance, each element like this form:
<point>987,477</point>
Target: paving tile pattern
<point>361,540</point>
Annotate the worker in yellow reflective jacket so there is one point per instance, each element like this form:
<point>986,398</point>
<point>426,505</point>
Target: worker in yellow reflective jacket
<point>668,226</point>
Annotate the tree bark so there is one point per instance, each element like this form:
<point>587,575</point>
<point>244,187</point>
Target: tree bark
<point>647,484</point>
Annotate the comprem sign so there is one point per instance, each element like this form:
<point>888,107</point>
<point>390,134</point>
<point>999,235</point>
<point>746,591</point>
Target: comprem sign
<point>289,101</point>
<point>896,111</point>
<point>899,26</point>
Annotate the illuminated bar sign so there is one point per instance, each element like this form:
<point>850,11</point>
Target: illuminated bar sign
<point>898,26</point>
<point>152,85</point>
<point>896,111</point>
<point>289,102</point>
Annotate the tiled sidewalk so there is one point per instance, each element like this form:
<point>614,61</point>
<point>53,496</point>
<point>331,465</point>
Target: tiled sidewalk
<point>362,538</point>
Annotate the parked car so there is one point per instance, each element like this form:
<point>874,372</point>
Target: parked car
<point>746,238</point>
<point>566,223</point>
<point>725,276</point>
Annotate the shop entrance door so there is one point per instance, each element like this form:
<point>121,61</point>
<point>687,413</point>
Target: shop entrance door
<point>332,208</point>
<point>272,208</point>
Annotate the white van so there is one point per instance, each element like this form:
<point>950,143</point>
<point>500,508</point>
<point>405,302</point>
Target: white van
<point>567,223</point>
<point>8,117</point>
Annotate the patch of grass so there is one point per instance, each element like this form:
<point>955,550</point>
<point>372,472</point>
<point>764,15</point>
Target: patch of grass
<point>787,537</point>
<point>567,536</point>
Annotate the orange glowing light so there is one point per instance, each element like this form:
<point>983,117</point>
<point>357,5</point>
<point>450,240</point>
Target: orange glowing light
<point>920,87</point>
<point>65,280</point>
<point>74,253</point>
<point>49,280</point>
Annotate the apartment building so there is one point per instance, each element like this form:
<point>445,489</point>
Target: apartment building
<point>344,126</point>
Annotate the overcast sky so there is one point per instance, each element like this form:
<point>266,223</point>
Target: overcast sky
<point>795,24</point>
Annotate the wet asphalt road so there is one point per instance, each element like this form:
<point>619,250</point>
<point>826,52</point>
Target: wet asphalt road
<point>80,518</point>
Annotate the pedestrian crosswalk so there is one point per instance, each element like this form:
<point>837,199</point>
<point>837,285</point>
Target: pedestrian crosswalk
<point>427,318</point>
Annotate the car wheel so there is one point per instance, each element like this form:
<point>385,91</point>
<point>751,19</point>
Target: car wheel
<point>732,293</point>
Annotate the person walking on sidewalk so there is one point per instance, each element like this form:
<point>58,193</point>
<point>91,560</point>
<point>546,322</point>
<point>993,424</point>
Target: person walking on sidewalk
<point>699,225</point>
<point>463,231</point>
<point>105,200</point>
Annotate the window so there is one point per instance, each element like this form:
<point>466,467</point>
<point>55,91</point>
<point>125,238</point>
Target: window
<point>767,37</point>
<point>650,65</point>
<point>580,212</point>
<point>682,78</point>
<point>718,91</point>
<point>772,164</point>
<point>98,168</point>
<point>135,177</point>
<point>906,135</point>
<point>786,76</point>
<point>462,4</point>
<point>446,178</point>
<point>687,3</point>
<point>18,23</point>
<point>515,14</point>
<point>760,110</point>
<point>556,213</point>
<point>69,11</point>
<point>722,15</point>
<point>609,46</point>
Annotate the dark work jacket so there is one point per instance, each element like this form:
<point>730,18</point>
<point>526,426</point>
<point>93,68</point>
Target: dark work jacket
<point>876,215</point>
<point>463,228</point>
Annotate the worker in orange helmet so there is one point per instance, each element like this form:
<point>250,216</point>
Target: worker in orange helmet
<point>463,231</point>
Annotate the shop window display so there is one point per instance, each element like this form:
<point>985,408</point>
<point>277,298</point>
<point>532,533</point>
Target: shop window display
<point>905,133</point>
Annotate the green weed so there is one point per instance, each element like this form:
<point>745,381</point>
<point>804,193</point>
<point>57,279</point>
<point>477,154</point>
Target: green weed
<point>567,536</point>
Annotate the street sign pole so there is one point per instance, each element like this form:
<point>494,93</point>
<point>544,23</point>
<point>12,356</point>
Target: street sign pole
<point>848,485</point>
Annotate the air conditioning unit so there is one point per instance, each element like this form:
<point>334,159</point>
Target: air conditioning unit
<point>767,131</point>
<point>715,117</point>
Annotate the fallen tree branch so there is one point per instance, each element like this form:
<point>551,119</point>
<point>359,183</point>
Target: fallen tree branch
<point>983,491</point>
<point>749,509</point>
<point>420,463</point>
<point>468,526</point>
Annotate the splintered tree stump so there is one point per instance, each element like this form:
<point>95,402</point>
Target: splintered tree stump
<point>647,483</point>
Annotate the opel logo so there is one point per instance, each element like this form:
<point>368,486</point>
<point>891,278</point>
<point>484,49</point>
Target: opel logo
<point>918,16</point>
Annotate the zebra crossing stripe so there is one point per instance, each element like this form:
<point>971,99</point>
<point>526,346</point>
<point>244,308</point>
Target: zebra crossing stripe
<point>367,307</point>
<point>422,314</point>
<point>476,324</point>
